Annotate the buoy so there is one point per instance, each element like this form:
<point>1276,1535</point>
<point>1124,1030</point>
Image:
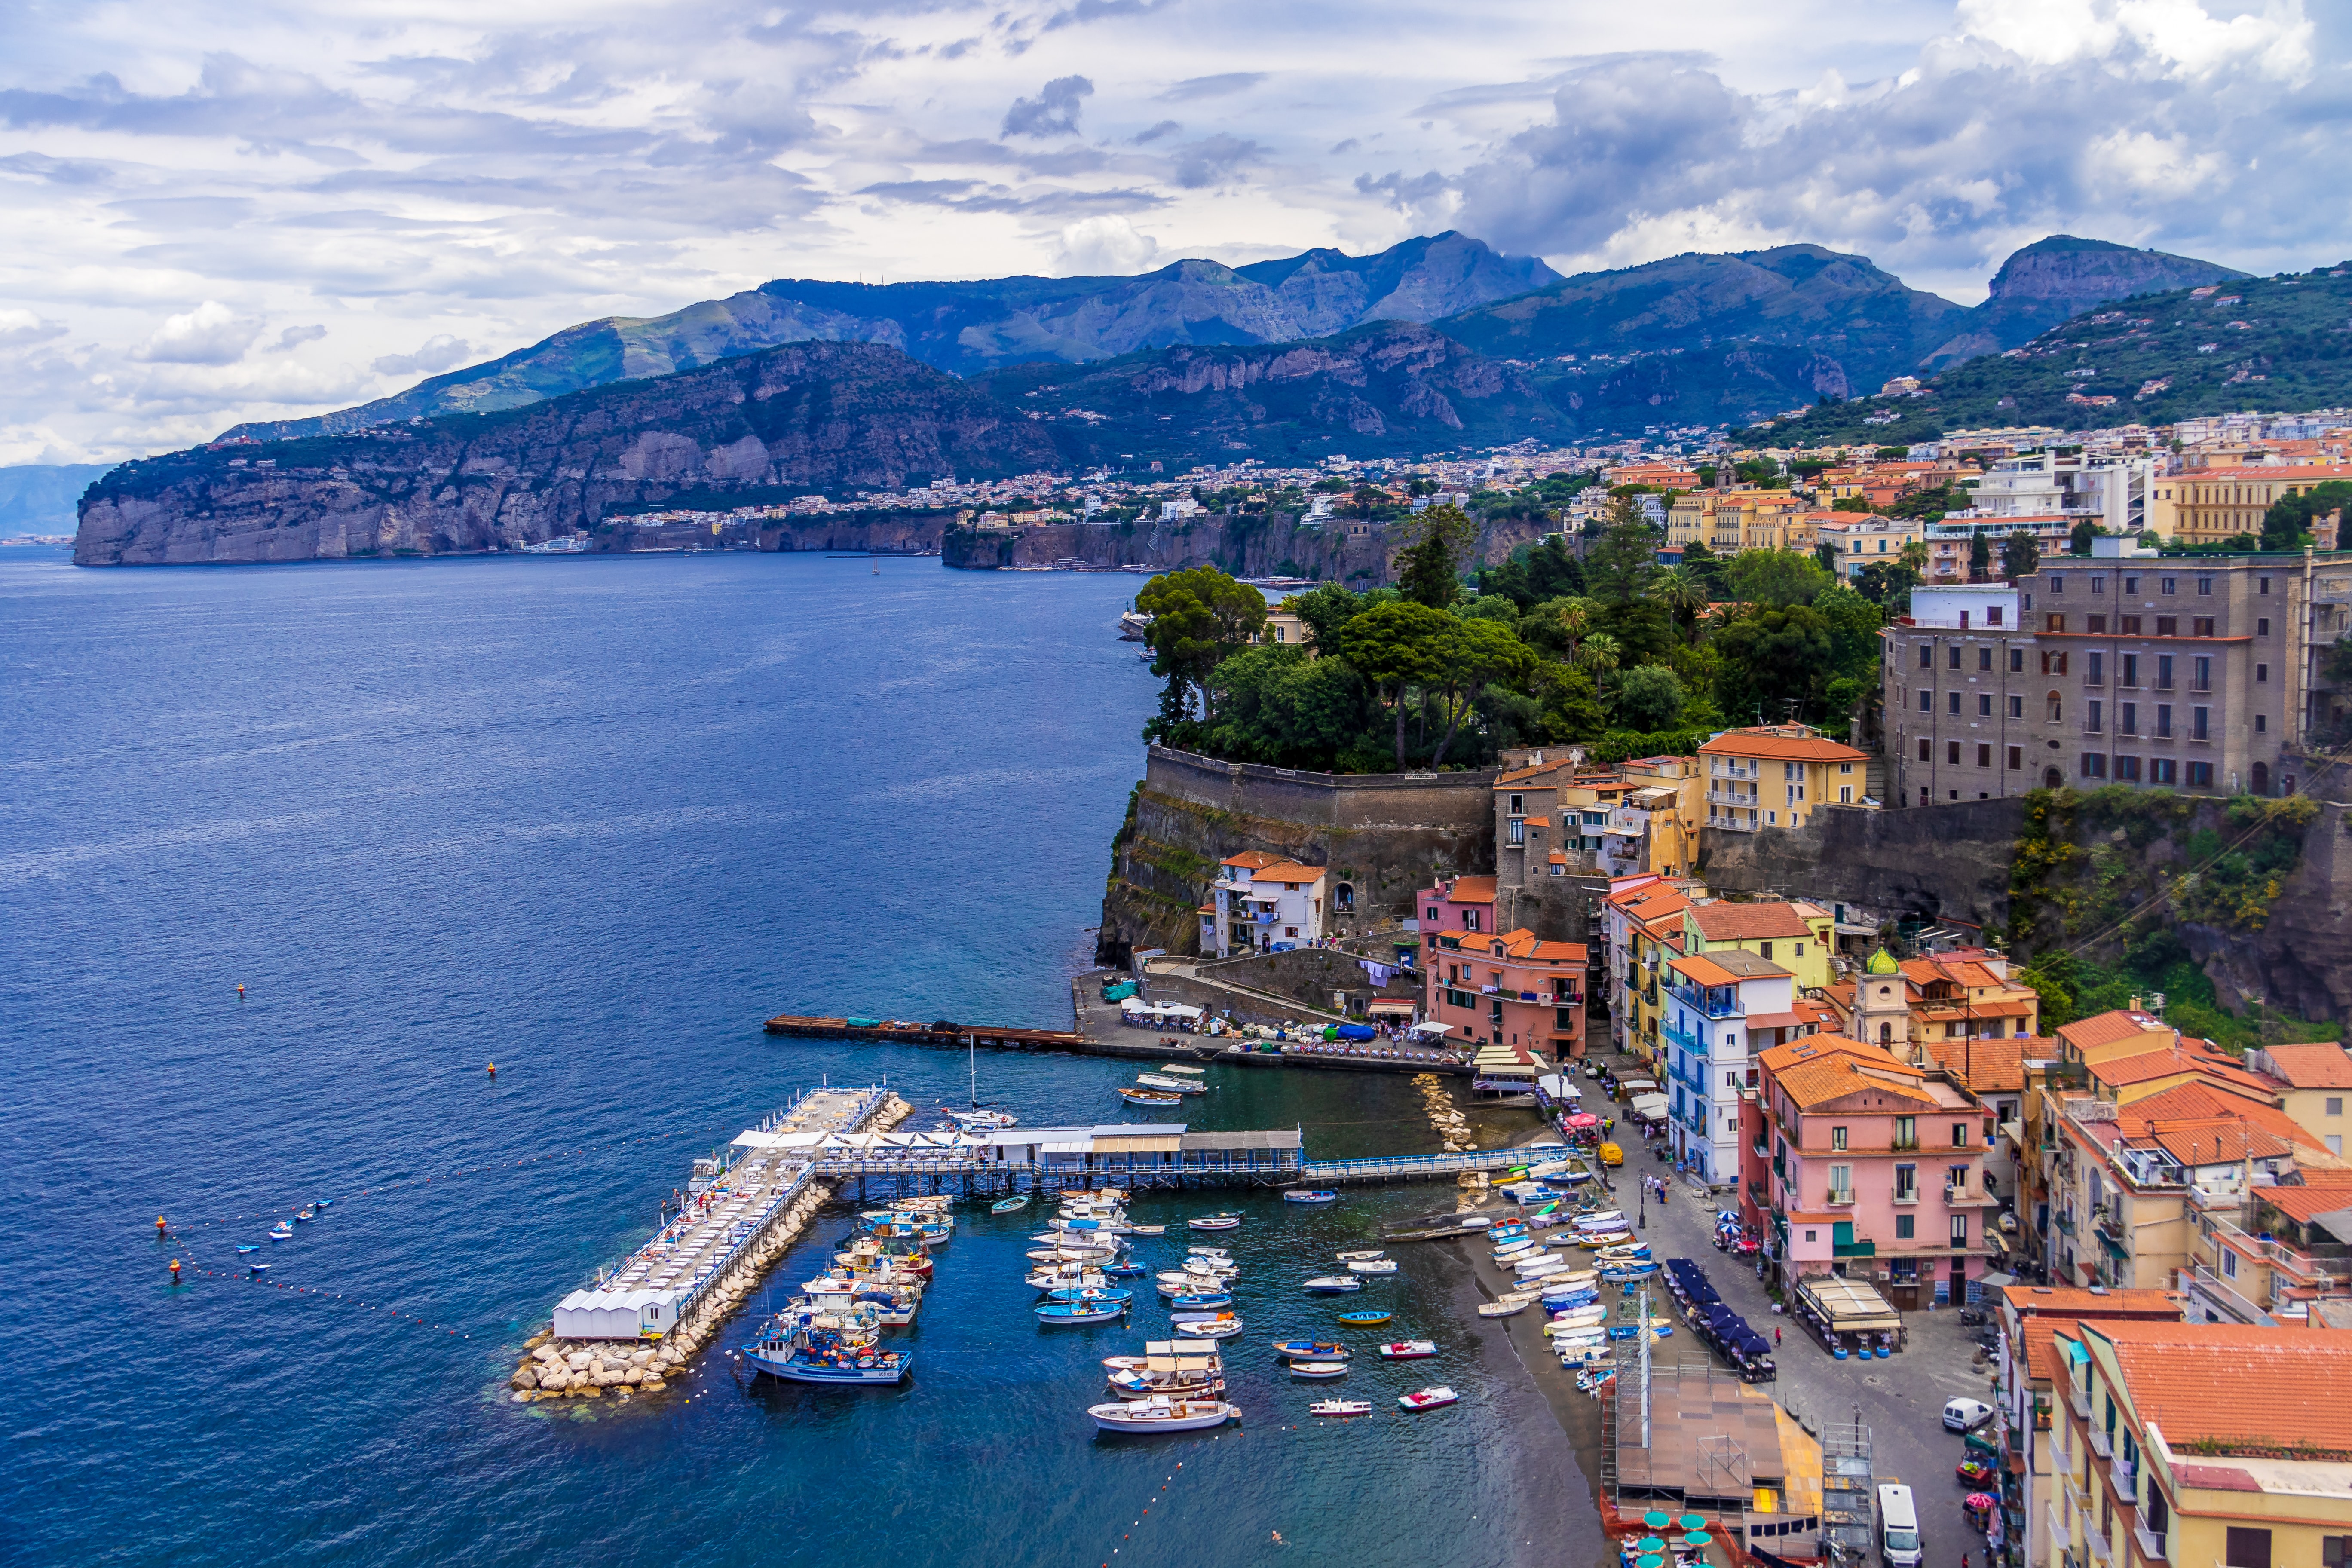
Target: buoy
<point>161,1228</point>
<point>240,991</point>
<point>494,1069</point>
<point>175,1271</point>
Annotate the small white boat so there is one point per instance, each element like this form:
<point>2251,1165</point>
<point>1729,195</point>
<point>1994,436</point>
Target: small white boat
<point>1313,1349</point>
<point>1615,1219</point>
<point>1409,1350</point>
<point>1147,1230</point>
<point>1309,1195</point>
<point>1162,1413</point>
<point>1006,1205</point>
<point>1361,1255</point>
<point>1501,1308</point>
<point>1540,1267</point>
<point>1207,1249</point>
<point>1216,1222</point>
<point>1314,1369</point>
<point>1183,1070</point>
<point>973,1121</point>
<point>1332,1285</point>
<point>1372,1265</point>
<point>1215,1329</point>
<point>1151,1097</point>
<point>1171,1085</point>
<point>283,1233</point>
<point>1341,1407</point>
<point>1427,1398</point>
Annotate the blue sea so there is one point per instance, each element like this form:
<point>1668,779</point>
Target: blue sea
<point>593,820</point>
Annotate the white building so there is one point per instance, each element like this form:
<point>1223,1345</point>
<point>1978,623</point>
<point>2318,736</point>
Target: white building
<point>1261,902</point>
<point>1966,607</point>
<point>1722,1009</point>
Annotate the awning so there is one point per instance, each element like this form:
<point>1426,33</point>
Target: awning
<point>1432,1030</point>
<point>1385,1007</point>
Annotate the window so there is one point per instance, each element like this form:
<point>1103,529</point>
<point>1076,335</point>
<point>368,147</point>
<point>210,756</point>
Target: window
<point>2261,673</point>
<point>1952,702</point>
<point>2127,669</point>
<point>2200,776</point>
<point>2016,757</point>
<point>2017,706</point>
<point>2055,623</point>
<point>2095,767</point>
<point>1992,615</point>
<point>2335,1105</point>
<point>2205,586</point>
<point>2167,584</point>
<point>1984,756</point>
<point>2098,626</point>
<point>1984,704</point>
<point>2248,1546</point>
<point>2057,583</point>
<point>1841,1183</point>
<point>2200,625</point>
<point>2017,661</point>
<point>1926,702</point>
<point>1924,754</point>
<point>1927,657</point>
<point>2054,705</point>
<point>2092,716</point>
<point>2164,720</point>
<point>1902,1226</point>
<point>2126,718</point>
<point>2201,674</point>
<point>2164,672</point>
<point>2335,1550</point>
<point>2167,626</point>
<point>2162,769</point>
<point>2127,624</point>
<point>2094,665</point>
<point>2262,723</point>
<point>1837,1141</point>
<point>2127,770</point>
<point>1954,660</point>
<point>1984,654</point>
<point>1960,1136</point>
<point>1959,1230</point>
<point>2098,585</point>
<point>2054,664</point>
<point>2262,626</point>
<point>2264,586</point>
<point>1519,834</point>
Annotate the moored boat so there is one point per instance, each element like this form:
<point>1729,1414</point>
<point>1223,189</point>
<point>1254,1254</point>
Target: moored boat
<point>1332,1285</point>
<point>1219,1328</point>
<point>1341,1407</point>
<point>1318,1369</point>
<point>1171,1085</point>
<point>1204,1299</point>
<point>1372,1266</point>
<point>1006,1205</point>
<point>1319,1350</point>
<point>826,1348</point>
<point>1065,1313</point>
<point>284,1232</point>
<point>1151,1097</point>
<point>1360,1254</point>
<point>1501,1308</point>
<point>1161,1413</point>
<point>1365,1319</point>
<point>1310,1195</point>
<point>1216,1222</point>
<point>1427,1398</point>
<point>1409,1350</point>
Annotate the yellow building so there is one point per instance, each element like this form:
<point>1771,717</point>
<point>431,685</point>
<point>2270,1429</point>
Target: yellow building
<point>1857,539</point>
<point>2201,1443</point>
<point>1729,522</point>
<point>2314,1084</point>
<point>1797,936</point>
<point>1655,825</point>
<point>2206,506</point>
<point>1778,775</point>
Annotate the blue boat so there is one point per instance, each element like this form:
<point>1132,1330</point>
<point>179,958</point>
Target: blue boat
<point>256,1270</point>
<point>1091,1293</point>
<point>1208,1299</point>
<point>1065,1312</point>
<point>1310,1197</point>
<point>245,1246</point>
<point>1124,1271</point>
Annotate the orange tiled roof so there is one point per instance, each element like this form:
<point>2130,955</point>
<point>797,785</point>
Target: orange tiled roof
<point>1819,1083</point>
<point>1251,858</point>
<point>2312,1066</point>
<point>2041,1360</point>
<point>2143,1067</point>
<point>2202,1101</point>
<point>1287,871</point>
<point>1471,890</point>
<point>1524,944</point>
<point>2107,1028</point>
<point>2307,1202</point>
<point>1985,1067</point>
<point>2216,1140</point>
<point>1782,746</point>
<point>2066,1302</point>
<point>1748,922</point>
<point>2211,1386</point>
<point>1779,1058</point>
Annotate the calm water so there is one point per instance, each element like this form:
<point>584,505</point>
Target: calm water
<point>594,820</point>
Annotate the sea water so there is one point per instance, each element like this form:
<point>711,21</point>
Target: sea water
<point>591,820</point>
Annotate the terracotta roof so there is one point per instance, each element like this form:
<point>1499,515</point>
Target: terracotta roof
<point>1812,1047</point>
<point>1536,821</point>
<point>2224,1387</point>
<point>2041,1358</point>
<point>1523,943</point>
<point>1471,890</point>
<point>1818,1083</point>
<point>2312,1067</point>
<point>1253,859</point>
<point>2066,1302</point>
<point>1518,776</point>
<point>2203,1101</point>
<point>2306,1202</point>
<point>1703,970</point>
<point>2107,1028</point>
<point>1748,922</point>
<point>2216,1140</point>
<point>1783,745</point>
<point>1287,871</point>
<point>1987,1067</point>
<point>2143,1067</point>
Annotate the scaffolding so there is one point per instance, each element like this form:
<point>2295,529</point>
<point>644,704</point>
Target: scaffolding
<point>1849,1500</point>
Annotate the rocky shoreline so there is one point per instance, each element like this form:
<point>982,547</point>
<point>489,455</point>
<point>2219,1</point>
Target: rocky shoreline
<point>590,1369</point>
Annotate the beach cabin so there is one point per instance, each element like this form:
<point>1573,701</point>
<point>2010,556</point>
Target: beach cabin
<point>618,1315</point>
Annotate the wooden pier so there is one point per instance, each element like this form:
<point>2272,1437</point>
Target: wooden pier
<point>1143,1047</point>
<point>943,1032</point>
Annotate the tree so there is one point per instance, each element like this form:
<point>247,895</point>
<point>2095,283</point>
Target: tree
<point>1777,578</point>
<point>2287,525</point>
<point>1617,570</point>
<point>1326,607</point>
<point>1534,573</point>
<point>1391,646</point>
<point>1707,566</point>
<point>1888,584</point>
<point>1598,652</point>
<point>2078,542</point>
<point>2020,555</point>
<point>1980,556</point>
<point>1428,569</point>
<point>1649,697</point>
<point>1199,616</point>
<point>1772,658</point>
<point>1684,596</point>
<point>1462,659</point>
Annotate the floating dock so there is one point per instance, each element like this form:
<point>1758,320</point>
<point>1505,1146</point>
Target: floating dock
<point>1146,1048</point>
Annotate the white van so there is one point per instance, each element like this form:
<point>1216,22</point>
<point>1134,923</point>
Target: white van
<point>1898,1527</point>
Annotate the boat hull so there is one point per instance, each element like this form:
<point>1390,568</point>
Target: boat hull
<point>894,1370</point>
<point>1181,1417</point>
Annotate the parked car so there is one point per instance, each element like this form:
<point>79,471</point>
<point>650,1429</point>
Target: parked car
<point>1966,1414</point>
<point>1612,1155</point>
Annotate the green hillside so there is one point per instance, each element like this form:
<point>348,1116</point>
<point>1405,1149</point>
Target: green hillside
<point>2273,344</point>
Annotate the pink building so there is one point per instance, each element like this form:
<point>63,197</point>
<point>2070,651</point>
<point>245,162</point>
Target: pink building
<point>1504,989</point>
<point>1872,1169</point>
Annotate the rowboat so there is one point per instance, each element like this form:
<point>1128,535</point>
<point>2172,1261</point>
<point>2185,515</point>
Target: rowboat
<point>1333,1285</point>
<point>283,1233</point>
<point>1203,1298</point>
<point>1427,1398</point>
<point>256,1270</point>
<point>1517,1246</point>
<point>1224,1327</point>
<point>306,1212</point>
<point>1183,1070</point>
<point>1319,1350</point>
<point>1006,1205</point>
<point>1095,1293</point>
<point>1372,1265</point>
<point>1409,1350</point>
<point>1317,1369</point>
<point>1171,1085</point>
<point>1341,1407</point>
<point>1310,1195</point>
<point>1139,1385</point>
<point>1147,1230</point>
<point>1151,1097</point>
<point>1501,1308</point>
<point>1162,1413</point>
<point>1207,1249</point>
<point>1361,1255</point>
<point>1600,1238</point>
<point>1070,1313</point>
<point>1536,1268</point>
<point>245,1246</point>
<point>1365,1319</point>
<point>1626,1252</point>
<point>1609,1219</point>
<point>1216,1222</point>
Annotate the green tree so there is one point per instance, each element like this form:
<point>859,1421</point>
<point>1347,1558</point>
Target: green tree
<point>1888,584</point>
<point>1391,646</point>
<point>1199,616</point>
<point>1598,652</point>
<point>1464,660</point>
<point>1429,570</point>
<point>1648,696</point>
<point>1707,566</point>
<point>1534,573</point>
<point>2020,555</point>
<point>1980,556</point>
<point>1326,607</point>
<point>1774,657</point>
<point>1618,569</point>
<point>2078,542</point>
<point>1281,707</point>
<point>2287,524</point>
<point>1777,578</point>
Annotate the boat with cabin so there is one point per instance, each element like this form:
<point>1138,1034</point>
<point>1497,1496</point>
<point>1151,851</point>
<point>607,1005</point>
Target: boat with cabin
<point>1428,1398</point>
<point>1309,1195</point>
<point>1409,1350</point>
<point>1162,1413</point>
<point>1341,1407</point>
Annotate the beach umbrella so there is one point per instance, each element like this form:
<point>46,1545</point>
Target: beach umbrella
<point>1693,1521</point>
<point>1650,1560</point>
<point>1696,1537</point>
<point>1657,1519</point>
<point>1650,1544</point>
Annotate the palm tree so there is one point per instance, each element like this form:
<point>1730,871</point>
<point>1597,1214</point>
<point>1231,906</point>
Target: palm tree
<point>1598,652</point>
<point>1679,589</point>
<point>1575,621</point>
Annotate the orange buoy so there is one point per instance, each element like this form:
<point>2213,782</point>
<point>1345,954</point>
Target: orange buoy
<point>161,1228</point>
<point>494,1069</point>
<point>240,991</point>
<point>175,1271</point>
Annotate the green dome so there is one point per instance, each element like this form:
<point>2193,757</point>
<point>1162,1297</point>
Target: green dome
<point>1883,962</point>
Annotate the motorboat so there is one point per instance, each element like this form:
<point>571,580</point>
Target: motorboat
<point>306,1212</point>
<point>1501,1308</point>
<point>1341,1407</point>
<point>1123,1271</point>
<point>1070,1313</point>
<point>973,1121</point>
<point>1182,1071</point>
<point>1208,1249</point>
<point>1162,1413</point>
<point>1332,1285</point>
<point>1370,1318</point>
<point>283,1232</point>
<point>1006,1205</point>
<point>1147,1230</point>
<point>1310,1195</point>
<point>1409,1350</point>
<point>827,1347</point>
<point>1202,1300</point>
<point>1361,1255</point>
<point>245,1246</point>
<point>256,1270</point>
<point>1090,1293</point>
<point>1156,1099</point>
<point>1216,1222</point>
<point>1427,1398</point>
<point>1318,1369</point>
<point>1182,1384</point>
<point>1171,1085</point>
<point>1319,1350</point>
<point>1221,1328</point>
<point>1372,1265</point>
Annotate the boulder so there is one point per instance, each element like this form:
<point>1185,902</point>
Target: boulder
<point>524,1377</point>
<point>556,1381</point>
<point>653,1386</point>
<point>640,1358</point>
<point>549,1355</point>
<point>635,1375</point>
<point>577,1361</point>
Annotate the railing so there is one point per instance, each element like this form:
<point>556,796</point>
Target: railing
<point>2101,1551</point>
<point>1839,1196</point>
<point>2101,1444</point>
<point>2124,1475</point>
<point>2152,1544</point>
<point>2080,1398</point>
<point>1683,1039</point>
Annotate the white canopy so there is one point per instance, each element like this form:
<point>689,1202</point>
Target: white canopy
<point>1650,1107</point>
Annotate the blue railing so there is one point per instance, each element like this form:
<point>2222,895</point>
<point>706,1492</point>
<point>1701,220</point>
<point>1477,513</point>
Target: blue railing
<point>1718,1003</point>
<point>1683,1039</point>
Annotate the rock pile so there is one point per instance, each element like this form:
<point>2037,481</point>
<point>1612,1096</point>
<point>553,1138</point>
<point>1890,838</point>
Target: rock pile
<point>589,1369</point>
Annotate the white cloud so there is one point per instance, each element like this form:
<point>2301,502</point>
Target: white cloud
<point>19,328</point>
<point>437,354</point>
<point>212,333</point>
<point>1093,246</point>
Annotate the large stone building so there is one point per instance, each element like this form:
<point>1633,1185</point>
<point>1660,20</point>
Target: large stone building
<point>2201,673</point>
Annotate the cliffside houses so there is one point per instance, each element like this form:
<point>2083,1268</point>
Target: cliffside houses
<point>1519,999</point>
<point>1262,902</point>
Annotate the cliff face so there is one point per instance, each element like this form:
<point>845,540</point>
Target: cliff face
<point>1252,545</point>
<point>809,416</point>
<point>2054,279</point>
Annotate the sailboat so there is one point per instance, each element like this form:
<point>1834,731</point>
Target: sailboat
<point>976,1119</point>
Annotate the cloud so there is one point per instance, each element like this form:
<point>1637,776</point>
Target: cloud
<point>1198,87</point>
<point>435,354</point>
<point>1052,113</point>
<point>212,333</point>
<point>295,337</point>
<point>1103,245</point>
<point>1213,159</point>
<point>1165,128</point>
<point>1100,11</point>
<point>19,329</point>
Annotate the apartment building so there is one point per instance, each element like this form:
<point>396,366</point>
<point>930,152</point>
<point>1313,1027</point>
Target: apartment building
<point>2210,506</point>
<point>1508,990</point>
<point>2194,1444</point>
<point>1778,775</point>
<point>2192,673</point>
<point>1855,540</point>
<point>1262,902</point>
<point>1653,826</point>
<point>2313,1084</point>
<point>1911,1004</point>
<point>1722,1008</point>
<point>1641,927</point>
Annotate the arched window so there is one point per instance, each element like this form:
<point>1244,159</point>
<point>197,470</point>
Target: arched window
<point>1347,896</point>
<point>1886,1034</point>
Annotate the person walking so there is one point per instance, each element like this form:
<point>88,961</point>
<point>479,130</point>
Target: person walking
<point>1776,1336</point>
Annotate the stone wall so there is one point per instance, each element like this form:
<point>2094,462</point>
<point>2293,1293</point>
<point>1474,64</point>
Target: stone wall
<point>1309,976</point>
<point>1245,546</point>
<point>1384,836</point>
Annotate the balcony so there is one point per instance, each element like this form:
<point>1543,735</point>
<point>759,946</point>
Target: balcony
<point>2080,1398</point>
<point>2064,1222</point>
<point>2101,1444</point>
<point>1839,1197</point>
<point>2153,1545</point>
<point>2100,1550</point>
<point>2124,1477</point>
<point>1961,1195</point>
<point>1684,1040</point>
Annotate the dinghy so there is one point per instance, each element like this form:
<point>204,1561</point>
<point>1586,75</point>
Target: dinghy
<point>1319,1350</point>
<point>1372,1265</point>
<point>1427,1398</point>
<point>1310,1195</point>
<point>1333,1285</point>
<point>1216,1222</point>
<point>1409,1350</point>
<point>1069,1312</point>
<point>1501,1308</point>
<point>1162,1413</point>
<point>1360,1256</point>
<point>1006,1205</point>
<point>1318,1369</point>
<point>1364,1320</point>
<point>1341,1407</point>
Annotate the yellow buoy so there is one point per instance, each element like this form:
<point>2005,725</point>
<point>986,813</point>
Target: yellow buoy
<point>160,1227</point>
<point>494,1069</point>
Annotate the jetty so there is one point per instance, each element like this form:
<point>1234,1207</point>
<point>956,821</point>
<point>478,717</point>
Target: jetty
<point>895,1031</point>
<point>1142,1046</point>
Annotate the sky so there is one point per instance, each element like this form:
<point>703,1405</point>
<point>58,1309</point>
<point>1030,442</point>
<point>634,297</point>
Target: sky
<point>218,212</point>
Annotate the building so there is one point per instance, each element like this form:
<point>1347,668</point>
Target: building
<point>1796,936</point>
<point>1508,990</point>
<point>1653,826</point>
<point>2193,1444</point>
<point>1722,1008</point>
<point>1914,1004</point>
<point>1777,776</point>
<point>1262,902</point>
<point>2193,673</point>
<point>1855,540</point>
<point>2314,1082</point>
<point>1642,927</point>
<point>2210,506</point>
<point>1877,1168</point>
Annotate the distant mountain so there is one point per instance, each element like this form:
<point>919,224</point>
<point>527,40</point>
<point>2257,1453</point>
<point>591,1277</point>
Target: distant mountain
<point>39,497</point>
<point>966,328</point>
<point>2054,279</point>
<point>2266,343</point>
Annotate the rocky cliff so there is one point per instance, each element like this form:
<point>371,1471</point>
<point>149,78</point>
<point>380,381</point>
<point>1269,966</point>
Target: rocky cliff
<point>968,327</point>
<point>797,418</point>
<point>1254,544</point>
<point>2054,279</point>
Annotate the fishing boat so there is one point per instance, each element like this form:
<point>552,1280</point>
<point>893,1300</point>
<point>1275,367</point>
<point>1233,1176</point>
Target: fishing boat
<point>827,1347</point>
<point>284,1232</point>
<point>1147,1230</point>
<point>1202,1300</point>
<point>1310,1195</point>
<point>1219,1328</point>
<point>1341,1407</point>
<point>1409,1350</point>
<point>306,1212</point>
<point>1360,1254</point>
<point>1317,1350</point>
<point>1594,1239</point>
<point>1089,1293</point>
<point>1063,1313</point>
<point>1006,1205</point>
<point>1208,1249</point>
<point>1162,1413</point>
<point>1517,1248</point>
<point>1364,1320</point>
<point>1180,1284</point>
<point>1123,1271</point>
<point>1171,1085</point>
<point>1501,1308</point>
<point>1427,1398</point>
<point>1626,1252</point>
<point>1613,1219</point>
<point>1318,1369</point>
<point>1332,1285</point>
<point>1372,1265</point>
<point>1216,1222</point>
<point>1151,1097</point>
